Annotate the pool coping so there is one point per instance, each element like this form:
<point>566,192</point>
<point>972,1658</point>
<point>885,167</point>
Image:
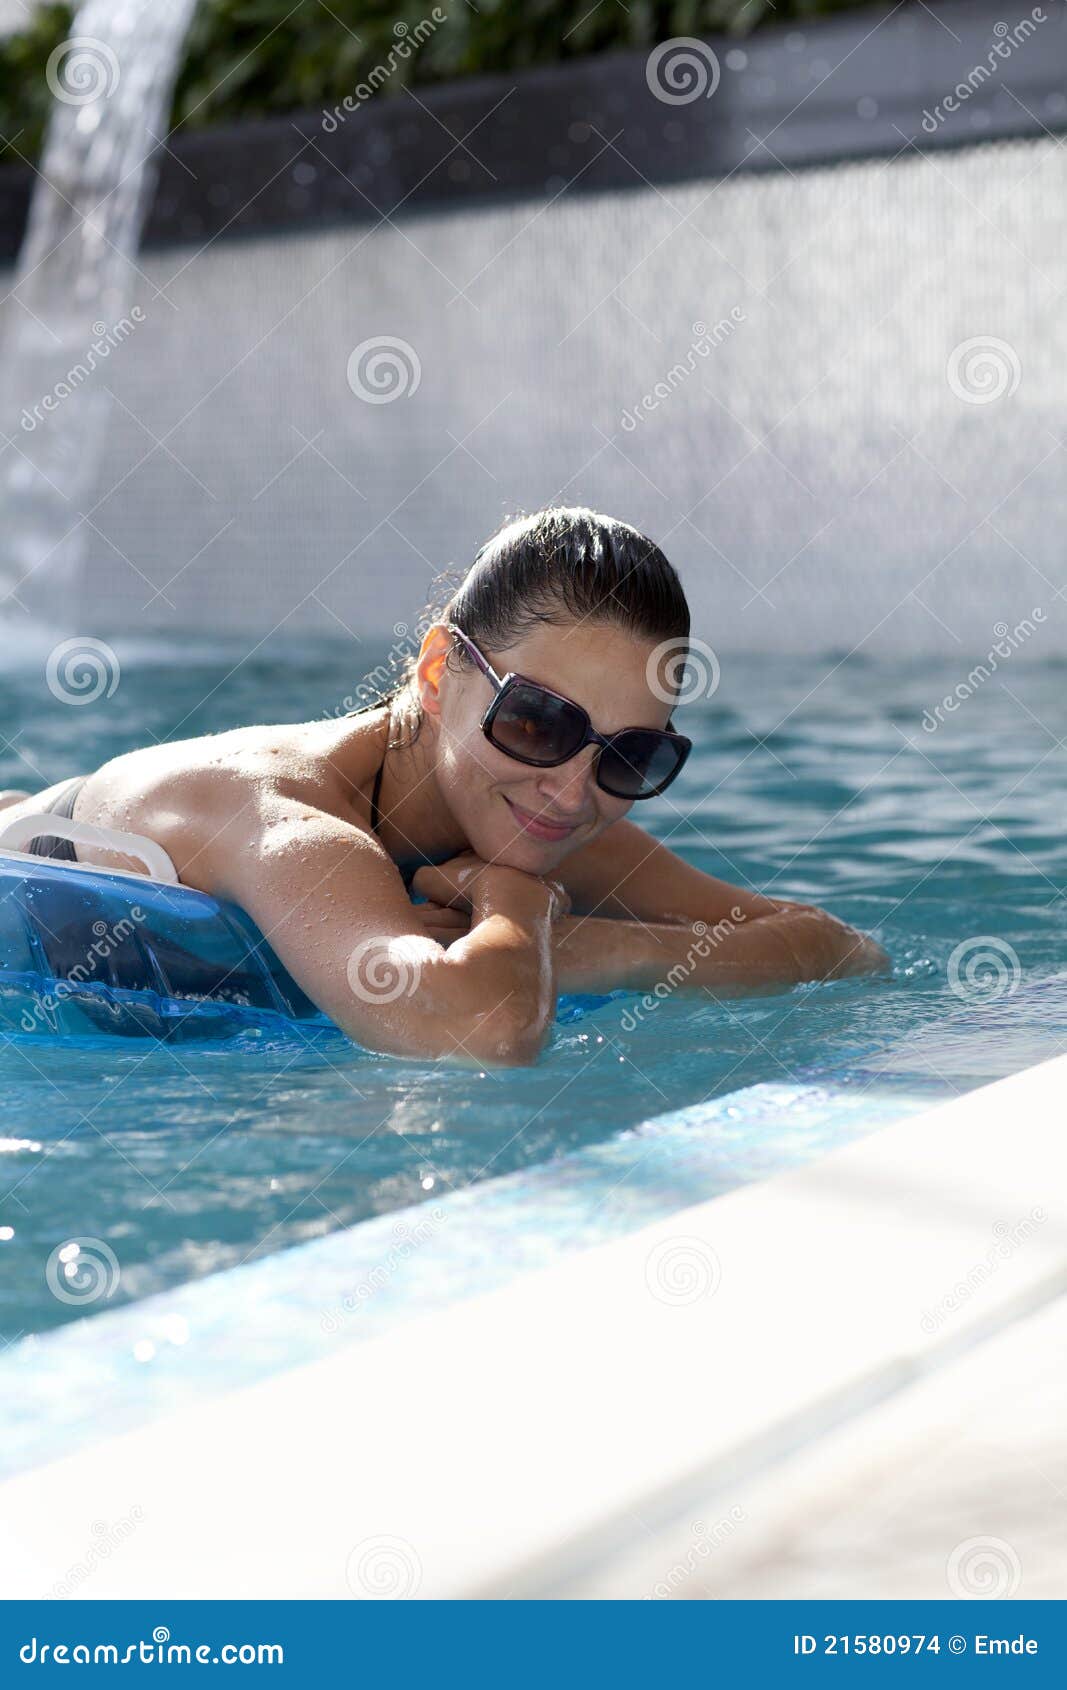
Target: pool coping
<point>131,1364</point>
<point>501,1445</point>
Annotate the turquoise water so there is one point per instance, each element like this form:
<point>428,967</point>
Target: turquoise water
<point>814,780</point>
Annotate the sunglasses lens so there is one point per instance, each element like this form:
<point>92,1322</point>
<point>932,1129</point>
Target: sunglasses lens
<point>637,764</point>
<point>536,726</point>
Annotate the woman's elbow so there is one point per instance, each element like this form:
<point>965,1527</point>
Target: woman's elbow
<point>441,1016</point>
<point>828,949</point>
<point>497,1039</point>
<point>511,1033</point>
<point>513,1041</point>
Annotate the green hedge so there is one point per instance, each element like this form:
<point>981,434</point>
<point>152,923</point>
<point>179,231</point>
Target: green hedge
<point>250,58</point>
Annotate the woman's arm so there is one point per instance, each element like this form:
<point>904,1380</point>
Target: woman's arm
<point>646,908</point>
<point>332,905</point>
<point>726,958</point>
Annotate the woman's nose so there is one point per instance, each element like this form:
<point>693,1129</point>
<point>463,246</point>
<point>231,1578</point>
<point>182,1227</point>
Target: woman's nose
<point>569,787</point>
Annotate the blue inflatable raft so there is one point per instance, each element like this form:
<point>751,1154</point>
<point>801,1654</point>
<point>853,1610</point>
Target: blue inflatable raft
<point>86,952</point>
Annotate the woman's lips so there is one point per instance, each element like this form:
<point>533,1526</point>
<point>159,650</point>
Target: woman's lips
<point>537,826</point>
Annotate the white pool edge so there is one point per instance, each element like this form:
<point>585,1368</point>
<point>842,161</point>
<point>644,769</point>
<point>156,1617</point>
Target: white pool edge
<point>120,1367</point>
<point>502,1445</point>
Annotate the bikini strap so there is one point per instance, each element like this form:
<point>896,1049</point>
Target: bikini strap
<point>375,795</point>
<point>375,704</point>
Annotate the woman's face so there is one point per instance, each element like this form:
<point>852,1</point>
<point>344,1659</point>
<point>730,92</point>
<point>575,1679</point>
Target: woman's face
<point>531,818</point>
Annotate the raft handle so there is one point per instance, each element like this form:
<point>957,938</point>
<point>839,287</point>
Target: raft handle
<point>20,833</point>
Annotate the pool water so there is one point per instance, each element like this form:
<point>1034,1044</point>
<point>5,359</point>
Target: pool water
<point>810,779</point>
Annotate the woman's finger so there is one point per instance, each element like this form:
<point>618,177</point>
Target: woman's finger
<point>444,935</point>
<point>441,924</point>
<point>433,884</point>
<point>449,882</point>
<point>439,915</point>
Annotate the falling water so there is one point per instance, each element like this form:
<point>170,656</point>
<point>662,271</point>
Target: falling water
<point>71,308</point>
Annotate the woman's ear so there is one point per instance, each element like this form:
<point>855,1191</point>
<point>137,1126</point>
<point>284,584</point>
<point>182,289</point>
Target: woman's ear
<point>430,667</point>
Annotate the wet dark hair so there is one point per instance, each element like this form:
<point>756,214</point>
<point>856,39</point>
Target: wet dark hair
<point>559,565</point>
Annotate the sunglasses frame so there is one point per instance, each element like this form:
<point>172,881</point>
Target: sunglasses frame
<point>503,684</point>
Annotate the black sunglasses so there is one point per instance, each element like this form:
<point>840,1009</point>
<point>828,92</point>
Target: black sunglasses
<point>535,725</point>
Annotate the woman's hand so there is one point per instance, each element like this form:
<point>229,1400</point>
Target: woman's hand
<point>438,922</point>
<point>454,884</point>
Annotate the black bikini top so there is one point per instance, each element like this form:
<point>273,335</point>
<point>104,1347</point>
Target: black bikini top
<point>361,710</point>
<point>375,795</point>
<point>375,815</point>
<point>406,874</point>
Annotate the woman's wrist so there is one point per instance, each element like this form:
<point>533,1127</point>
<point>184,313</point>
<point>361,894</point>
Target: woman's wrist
<point>500,889</point>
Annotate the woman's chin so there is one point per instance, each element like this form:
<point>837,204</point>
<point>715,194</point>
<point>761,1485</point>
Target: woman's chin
<point>522,851</point>
<point>527,855</point>
<point>509,844</point>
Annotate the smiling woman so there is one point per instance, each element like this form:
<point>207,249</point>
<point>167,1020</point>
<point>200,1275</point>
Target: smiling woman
<point>494,782</point>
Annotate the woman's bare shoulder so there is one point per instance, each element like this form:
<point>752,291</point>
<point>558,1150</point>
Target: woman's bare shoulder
<point>300,756</point>
<point>183,793</point>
